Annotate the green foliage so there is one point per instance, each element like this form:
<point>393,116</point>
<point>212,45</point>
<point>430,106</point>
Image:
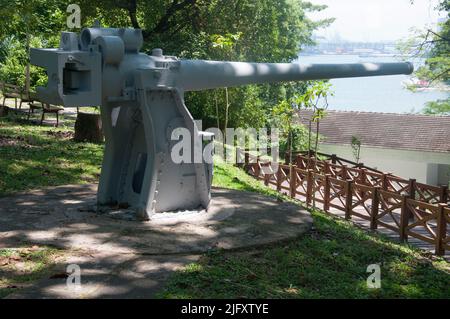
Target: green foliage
<point>285,115</point>
<point>12,64</point>
<point>434,46</point>
<point>300,139</point>
<point>439,107</point>
<point>315,97</point>
<point>24,24</point>
<point>259,31</point>
<point>31,17</point>
<point>22,266</point>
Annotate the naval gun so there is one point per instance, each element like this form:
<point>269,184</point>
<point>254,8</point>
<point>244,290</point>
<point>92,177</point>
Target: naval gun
<point>142,102</point>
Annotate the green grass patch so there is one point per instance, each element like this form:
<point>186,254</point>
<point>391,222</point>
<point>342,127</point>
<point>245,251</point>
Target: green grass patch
<point>229,176</point>
<point>33,156</point>
<point>20,267</point>
<point>329,262</point>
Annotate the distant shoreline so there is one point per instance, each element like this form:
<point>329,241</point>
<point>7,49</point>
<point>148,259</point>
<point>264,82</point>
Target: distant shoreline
<point>385,94</point>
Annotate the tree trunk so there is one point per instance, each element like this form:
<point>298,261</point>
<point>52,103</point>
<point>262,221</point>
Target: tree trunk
<point>217,110</point>
<point>226,117</point>
<point>27,67</point>
<point>88,128</point>
<point>316,146</point>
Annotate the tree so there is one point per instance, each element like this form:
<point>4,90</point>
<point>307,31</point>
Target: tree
<point>24,19</point>
<point>439,107</point>
<point>356,148</point>
<point>224,44</point>
<point>434,46</point>
<point>269,31</point>
<point>315,98</point>
<point>286,114</point>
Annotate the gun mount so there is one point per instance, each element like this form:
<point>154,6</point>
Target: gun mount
<point>142,102</point>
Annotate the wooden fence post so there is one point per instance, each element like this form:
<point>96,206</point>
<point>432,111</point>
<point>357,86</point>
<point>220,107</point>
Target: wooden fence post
<point>411,194</point>
<point>279,174</point>
<point>309,187</point>
<point>348,199</point>
<point>412,188</point>
<point>441,230</point>
<point>443,196</point>
<point>246,160</point>
<point>375,208</point>
<point>384,182</point>
<point>362,176</point>
<point>257,168</point>
<point>238,157</point>
<point>297,161</point>
<point>344,172</point>
<point>333,158</point>
<point>266,178</point>
<point>326,194</point>
<point>292,181</point>
<point>326,168</point>
<point>404,218</point>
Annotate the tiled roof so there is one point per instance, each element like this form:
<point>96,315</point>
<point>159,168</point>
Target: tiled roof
<point>386,130</point>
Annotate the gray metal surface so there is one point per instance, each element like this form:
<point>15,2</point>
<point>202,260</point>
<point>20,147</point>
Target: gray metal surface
<point>142,102</point>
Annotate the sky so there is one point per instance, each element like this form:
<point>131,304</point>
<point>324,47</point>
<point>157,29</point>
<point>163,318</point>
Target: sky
<point>375,20</point>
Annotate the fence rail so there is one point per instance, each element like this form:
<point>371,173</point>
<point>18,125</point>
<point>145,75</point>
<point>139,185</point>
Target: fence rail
<point>406,207</point>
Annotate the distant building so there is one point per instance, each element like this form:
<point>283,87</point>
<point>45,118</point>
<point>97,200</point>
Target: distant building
<point>407,145</point>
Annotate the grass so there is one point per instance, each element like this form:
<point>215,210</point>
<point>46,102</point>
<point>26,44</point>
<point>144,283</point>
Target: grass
<point>20,267</point>
<point>229,176</point>
<point>330,261</point>
<point>33,156</point>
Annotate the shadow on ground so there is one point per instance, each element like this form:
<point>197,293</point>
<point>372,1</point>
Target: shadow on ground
<point>124,258</point>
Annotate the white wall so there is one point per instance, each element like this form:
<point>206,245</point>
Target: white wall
<point>425,167</point>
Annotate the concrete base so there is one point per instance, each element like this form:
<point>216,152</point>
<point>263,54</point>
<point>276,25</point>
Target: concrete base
<point>132,259</point>
<point>63,217</point>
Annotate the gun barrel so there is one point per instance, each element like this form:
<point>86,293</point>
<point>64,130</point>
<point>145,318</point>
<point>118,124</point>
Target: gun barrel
<point>198,75</point>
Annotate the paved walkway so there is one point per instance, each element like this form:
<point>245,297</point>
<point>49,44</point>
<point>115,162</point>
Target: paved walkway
<point>120,257</point>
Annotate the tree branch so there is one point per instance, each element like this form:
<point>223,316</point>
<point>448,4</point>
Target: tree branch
<point>132,8</point>
<point>436,77</point>
<point>164,23</point>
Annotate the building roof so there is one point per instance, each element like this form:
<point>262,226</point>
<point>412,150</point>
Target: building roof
<point>385,130</point>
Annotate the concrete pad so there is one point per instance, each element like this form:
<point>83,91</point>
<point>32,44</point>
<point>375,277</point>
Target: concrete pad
<point>109,277</point>
<point>60,216</point>
<point>132,259</point>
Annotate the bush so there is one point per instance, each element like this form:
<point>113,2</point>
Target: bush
<point>13,60</point>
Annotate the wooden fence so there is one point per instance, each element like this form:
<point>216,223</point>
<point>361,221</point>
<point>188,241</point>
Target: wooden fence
<point>407,207</point>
